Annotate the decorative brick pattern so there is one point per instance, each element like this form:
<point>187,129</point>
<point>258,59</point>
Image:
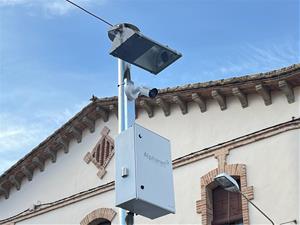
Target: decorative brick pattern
<point>102,213</point>
<point>204,206</point>
<point>88,158</point>
<point>101,153</point>
<point>221,156</point>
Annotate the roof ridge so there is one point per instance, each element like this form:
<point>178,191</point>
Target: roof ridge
<point>102,107</point>
<point>252,77</point>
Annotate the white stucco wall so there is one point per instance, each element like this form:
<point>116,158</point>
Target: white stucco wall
<point>195,130</point>
<point>276,188</point>
<point>73,214</point>
<point>273,171</point>
<point>67,176</point>
<point>188,133</point>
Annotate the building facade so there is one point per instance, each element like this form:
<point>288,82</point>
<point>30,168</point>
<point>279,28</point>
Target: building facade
<point>248,127</point>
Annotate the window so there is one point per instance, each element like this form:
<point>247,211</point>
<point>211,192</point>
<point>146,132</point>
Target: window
<point>227,207</point>
<point>101,216</point>
<point>205,206</point>
<point>100,222</point>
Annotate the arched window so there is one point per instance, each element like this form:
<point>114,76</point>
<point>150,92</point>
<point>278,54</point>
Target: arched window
<point>227,207</point>
<point>102,216</point>
<point>100,222</point>
<point>214,200</point>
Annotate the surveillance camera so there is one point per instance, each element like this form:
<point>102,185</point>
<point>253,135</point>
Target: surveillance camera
<point>151,93</point>
<point>132,92</point>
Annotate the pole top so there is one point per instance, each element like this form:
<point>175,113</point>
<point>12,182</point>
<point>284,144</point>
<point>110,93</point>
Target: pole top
<point>112,32</point>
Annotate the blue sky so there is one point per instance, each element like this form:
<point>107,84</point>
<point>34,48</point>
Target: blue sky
<point>54,57</point>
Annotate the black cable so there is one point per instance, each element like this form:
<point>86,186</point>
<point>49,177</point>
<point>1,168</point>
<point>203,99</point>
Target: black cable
<point>265,215</point>
<point>293,221</point>
<point>90,13</point>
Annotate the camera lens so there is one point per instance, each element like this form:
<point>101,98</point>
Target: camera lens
<point>153,92</point>
<point>164,57</point>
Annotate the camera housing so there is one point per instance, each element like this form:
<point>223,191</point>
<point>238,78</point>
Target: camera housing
<point>151,93</point>
<point>133,92</point>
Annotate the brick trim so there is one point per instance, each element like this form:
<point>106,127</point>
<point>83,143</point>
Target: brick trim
<point>204,206</point>
<point>102,213</point>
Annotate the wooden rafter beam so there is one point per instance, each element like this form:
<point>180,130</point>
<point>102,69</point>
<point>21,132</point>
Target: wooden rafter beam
<point>164,105</point>
<point>51,153</point>
<point>219,98</point>
<point>287,89</point>
<point>241,96</point>
<point>102,113</point>
<point>114,109</point>
<point>76,133</point>
<point>200,101</point>
<point>38,163</point>
<point>182,104</point>
<point>64,143</point>
<point>265,93</point>
<point>147,107</point>
<point>13,179</point>
<point>27,172</point>
<point>89,123</point>
<point>5,191</point>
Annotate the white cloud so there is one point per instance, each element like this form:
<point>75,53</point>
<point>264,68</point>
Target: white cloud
<point>242,60</point>
<point>53,7</point>
<point>58,118</point>
<point>17,134</point>
<point>6,164</point>
<point>58,7</point>
<point>260,58</point>
<point>14,2</point>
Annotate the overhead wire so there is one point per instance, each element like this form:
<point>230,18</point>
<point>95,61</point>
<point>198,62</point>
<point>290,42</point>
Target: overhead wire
<point>92,14</point>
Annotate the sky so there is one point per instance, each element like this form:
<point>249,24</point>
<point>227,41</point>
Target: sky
<point>54,57</point>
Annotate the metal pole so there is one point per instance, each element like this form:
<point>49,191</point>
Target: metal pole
<point>256,207</point>
<point>121,95</point>
<point>126,111</point>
